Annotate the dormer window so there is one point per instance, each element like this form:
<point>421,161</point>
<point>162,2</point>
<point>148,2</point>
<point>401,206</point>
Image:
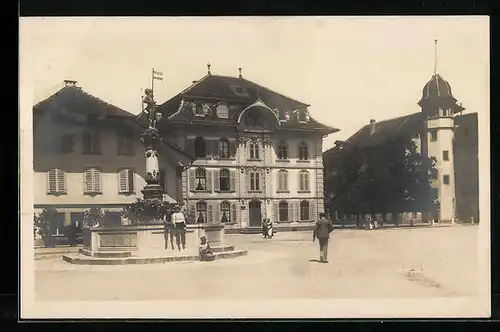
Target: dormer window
<point>302,116</point>
<point>222,111</point>
<point>198,109</point>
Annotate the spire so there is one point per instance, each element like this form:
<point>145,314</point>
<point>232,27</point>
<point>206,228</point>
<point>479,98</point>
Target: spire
<point>435,56</point>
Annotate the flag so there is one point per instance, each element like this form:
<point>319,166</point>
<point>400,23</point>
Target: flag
<point>157,75</point>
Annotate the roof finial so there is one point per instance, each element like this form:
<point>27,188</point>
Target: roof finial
<point>208,66</point>
<point>435,56</point>
<point>239,69</point>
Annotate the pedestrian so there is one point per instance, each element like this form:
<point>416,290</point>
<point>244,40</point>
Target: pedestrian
<point>204,251</point>
<point>264,228</point>
<point>179,222</point>
<point>322,232</point>
<point>270,229</point>
<point>169,231</point>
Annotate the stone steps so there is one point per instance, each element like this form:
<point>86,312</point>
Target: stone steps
<point>190,255</point>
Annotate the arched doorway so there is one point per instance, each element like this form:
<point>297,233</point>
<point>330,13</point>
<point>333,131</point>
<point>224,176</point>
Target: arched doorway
<point>255,213</point>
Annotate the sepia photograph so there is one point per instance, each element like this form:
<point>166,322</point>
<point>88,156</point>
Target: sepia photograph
<point>255,167</point>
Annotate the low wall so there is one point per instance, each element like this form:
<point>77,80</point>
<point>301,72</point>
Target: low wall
<point>146,237</point>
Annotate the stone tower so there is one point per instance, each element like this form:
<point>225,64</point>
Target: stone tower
<point>439,108</point>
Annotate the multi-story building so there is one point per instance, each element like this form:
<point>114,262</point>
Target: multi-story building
<point>258,153</point>
<point>441,131</point>
<point>87,153</point>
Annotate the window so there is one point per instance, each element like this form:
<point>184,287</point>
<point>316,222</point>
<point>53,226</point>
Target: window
<point>200,176</point>
<point>254,151</point>
<point>282,151</point>
<point>303,153</point>
<point>67,144</point>
<point>200,147</point>
<point>434,174</point>
<point>126,181</point>
<point>201,212</point>
<point>225,211</point>
<point>197,109</point>
<point>56,181</point>
<point>125,145</point>
<point>302,116</point>
<point>224,180</point>
<point>223,148</point>
<point>435,193</point>
<point>446,155</point>
<point>254,181</point>
<point>283,211</point>
<point>434,135</point>
<point>222,111</point>
<point>303,181</point>
<point>91,143</point>
<point>304,210</point>
<point>92,181</point>
<point>446,179</point>
<point>282,180</point>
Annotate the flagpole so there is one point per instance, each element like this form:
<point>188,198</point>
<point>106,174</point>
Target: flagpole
<point>153,80</point>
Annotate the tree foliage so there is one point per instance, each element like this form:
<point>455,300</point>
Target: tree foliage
<point>44,221</point>
<point>391,177</point>
<point>93,217</point>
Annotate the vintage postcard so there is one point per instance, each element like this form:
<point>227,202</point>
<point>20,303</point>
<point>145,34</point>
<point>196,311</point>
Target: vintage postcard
<point>255,167</point>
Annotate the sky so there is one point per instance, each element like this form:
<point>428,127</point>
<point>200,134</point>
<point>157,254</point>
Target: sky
<point>349,69</point>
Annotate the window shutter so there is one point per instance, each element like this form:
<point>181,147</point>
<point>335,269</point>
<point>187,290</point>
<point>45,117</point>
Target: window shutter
<point>249,181</point>
<point>218,213</point>
<point>87,180</point>
<point>312,210</point>
<point>217,180</point>
<point>232,148</point>
<point>191,212</point>
<point>275,212</point>
<point>248,149</point>
<point>301,185</point>
<point>232,180</point>
<point>306,181</point>
<point>296,211</point>
<point>285,180</point>
<point>192,180</point>
<point>131,180</point>
<point>123,180</point>
<point>278,180</point>
<point>291,215</point>
<point>210,213</point>
<point>86,143</point>
<point>209,180</point>
<point>97,181</point>
<point>233,212</point>
<point>61,181</point>
<point>52,181</point>
<point>215,148</point>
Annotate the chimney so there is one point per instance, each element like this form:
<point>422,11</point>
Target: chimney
<point>239,69</point>
<point>69,83</point>
<point>373,126</point>
<point>209,71</point>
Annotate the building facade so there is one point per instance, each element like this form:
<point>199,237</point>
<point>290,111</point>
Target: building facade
<point>88,153</point>
<point>258,153</point>
<point>442,131</point>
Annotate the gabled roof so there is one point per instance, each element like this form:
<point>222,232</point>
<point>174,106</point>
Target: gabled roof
<point>404,126</point>
<point>72,100</point>
<point>240,92</point>
<point>78,101</point>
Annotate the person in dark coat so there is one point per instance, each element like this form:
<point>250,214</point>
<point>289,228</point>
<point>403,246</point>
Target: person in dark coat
<point>322,232</point>
<point>169,231</point>
<point>264,228</point>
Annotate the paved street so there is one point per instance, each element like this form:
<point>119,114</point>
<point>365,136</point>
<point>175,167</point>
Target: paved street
<point>401,263</point>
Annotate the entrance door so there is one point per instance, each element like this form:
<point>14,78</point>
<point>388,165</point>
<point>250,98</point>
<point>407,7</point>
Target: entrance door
<point>254,213</point>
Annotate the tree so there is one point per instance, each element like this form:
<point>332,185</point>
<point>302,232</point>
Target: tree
<point>94,217</point>
<point>390,177</point>
<point>43,224</point>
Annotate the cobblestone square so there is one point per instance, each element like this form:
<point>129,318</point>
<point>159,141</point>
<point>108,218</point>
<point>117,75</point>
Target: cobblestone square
<point>381,264</point>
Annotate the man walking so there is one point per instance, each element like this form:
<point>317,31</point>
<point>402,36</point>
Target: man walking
<point>322,232</point>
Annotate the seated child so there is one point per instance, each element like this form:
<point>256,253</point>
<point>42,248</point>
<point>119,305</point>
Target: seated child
<point>204,250</point>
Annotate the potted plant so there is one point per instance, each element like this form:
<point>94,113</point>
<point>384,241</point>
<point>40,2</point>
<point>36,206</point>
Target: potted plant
<point>94,217</point>
<point>43,223</point>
